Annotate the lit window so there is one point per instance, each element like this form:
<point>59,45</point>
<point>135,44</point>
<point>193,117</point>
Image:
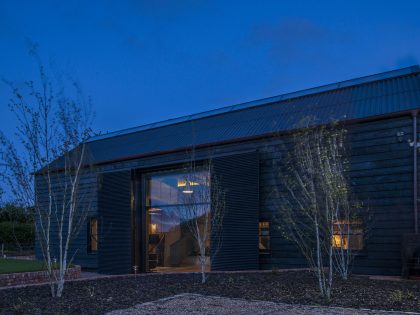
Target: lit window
<point>93,235</point>
<point>177,203</point>
<point>348,235</point>
<point>264,237</point>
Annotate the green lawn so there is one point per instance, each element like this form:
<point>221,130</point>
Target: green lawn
<point>18,265</point>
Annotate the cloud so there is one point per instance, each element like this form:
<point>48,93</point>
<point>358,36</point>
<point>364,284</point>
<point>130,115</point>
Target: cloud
<point>291,38</point>
<point>128,38</point>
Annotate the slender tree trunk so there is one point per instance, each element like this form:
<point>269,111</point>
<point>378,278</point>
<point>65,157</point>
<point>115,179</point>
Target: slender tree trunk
<point>330,273</point>
<point>203,265</point>
<point>318,258</point>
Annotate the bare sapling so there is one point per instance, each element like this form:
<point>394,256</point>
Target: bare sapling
<point>50,151</point>
<point>314,200</point>
<point>202,209</point>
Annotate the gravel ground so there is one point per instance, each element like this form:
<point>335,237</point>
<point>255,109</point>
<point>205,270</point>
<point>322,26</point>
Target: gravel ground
<point>196,304</point>
<point>99,296</point>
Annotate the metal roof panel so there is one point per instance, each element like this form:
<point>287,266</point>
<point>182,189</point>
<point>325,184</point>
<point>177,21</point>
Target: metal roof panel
<point>379,94</point>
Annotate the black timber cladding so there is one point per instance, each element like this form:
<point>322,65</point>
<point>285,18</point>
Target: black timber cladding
<point>382,173</point>
<point>382,170</point>
<point>381,176</point>
<point>114,217</point>
<point>86,207</point>
<point>238,177</point>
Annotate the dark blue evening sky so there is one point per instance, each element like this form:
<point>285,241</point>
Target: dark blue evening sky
<point>144,61</point>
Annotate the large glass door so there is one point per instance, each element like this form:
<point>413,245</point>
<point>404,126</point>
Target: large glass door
<point>177,214</point>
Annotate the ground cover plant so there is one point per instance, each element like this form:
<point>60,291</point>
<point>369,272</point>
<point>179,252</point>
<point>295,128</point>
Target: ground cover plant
<point>102,295</point>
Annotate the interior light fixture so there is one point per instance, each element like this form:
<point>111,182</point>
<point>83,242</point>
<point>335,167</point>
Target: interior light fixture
<point>187,189</point>
<point>183,183</point>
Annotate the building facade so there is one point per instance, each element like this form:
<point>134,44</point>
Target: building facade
<point>138,180</point>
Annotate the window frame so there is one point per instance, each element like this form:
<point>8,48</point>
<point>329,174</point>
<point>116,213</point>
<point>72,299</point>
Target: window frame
<point>146,204</point>
<point>89,235</point>
<point>261,235</point>
<point>358,226</point>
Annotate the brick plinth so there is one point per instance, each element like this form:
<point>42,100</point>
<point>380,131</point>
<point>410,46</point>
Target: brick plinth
<point>21,278</point>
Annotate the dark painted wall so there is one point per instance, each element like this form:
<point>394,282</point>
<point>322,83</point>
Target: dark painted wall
<point>418,167</point>
<point>235,247</point>
<point>382,173</point>
<point>382,176</point>
<point>114,214</point>
<point>87,207</point>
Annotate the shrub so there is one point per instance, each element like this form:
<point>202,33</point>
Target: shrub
<point>17,235</point>
<point>396,296</point>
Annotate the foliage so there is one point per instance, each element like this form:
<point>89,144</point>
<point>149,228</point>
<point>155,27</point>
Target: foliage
<point>396,296</point>
<point>11,212</point>
<point>18,234</point>
<point>17,230</point>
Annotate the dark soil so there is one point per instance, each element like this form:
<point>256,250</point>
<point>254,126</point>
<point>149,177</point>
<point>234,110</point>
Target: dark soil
<point>101,295</point>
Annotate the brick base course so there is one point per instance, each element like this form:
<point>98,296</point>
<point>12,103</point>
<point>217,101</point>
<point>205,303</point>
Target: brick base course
<point>21,278</point>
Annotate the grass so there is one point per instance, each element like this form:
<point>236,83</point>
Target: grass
<point>20,265</point>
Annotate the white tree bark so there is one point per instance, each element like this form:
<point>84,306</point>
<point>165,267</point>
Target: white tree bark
<point>203,223</point>
<point>51,129</point>
<point>314,199</point>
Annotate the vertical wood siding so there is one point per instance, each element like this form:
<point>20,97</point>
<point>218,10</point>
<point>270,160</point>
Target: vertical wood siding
<point>238,178</point>
<point>381,173</point>
<point>114,214</point>
<point>87,206</point>
<point>381,176</point>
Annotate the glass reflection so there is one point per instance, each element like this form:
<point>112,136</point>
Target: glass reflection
<point>173,202</point>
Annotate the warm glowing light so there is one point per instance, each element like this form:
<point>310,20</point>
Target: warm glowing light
<point>153,228</point>
<point>348,234</point>
<point>93,234</point>
<point>183,183</point>
<point>339,242</point>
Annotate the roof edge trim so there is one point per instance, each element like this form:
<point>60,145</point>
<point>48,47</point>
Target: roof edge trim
<point>315,90</point>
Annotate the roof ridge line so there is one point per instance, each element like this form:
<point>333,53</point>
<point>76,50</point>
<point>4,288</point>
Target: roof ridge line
<point>282,97</point>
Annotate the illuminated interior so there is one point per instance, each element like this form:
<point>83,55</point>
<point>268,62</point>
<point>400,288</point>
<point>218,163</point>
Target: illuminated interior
<point>348,235</point>
<point>264,237</point>
<point>174,200</point>
<point>93,241</point>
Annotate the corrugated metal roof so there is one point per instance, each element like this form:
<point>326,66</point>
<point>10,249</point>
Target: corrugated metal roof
<point>379,94</point>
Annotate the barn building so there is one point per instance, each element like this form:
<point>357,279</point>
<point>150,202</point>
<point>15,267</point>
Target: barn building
<point>137,176</point>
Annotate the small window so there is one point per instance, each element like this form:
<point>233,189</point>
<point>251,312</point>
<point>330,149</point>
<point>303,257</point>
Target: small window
<point>93,235</point>
<point>348,235</point>
<point>264,237</point>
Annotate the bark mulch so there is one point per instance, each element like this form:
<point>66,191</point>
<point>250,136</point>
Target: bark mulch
<point>103,295</point>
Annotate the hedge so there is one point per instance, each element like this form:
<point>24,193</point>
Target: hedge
<point>17,235</point>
